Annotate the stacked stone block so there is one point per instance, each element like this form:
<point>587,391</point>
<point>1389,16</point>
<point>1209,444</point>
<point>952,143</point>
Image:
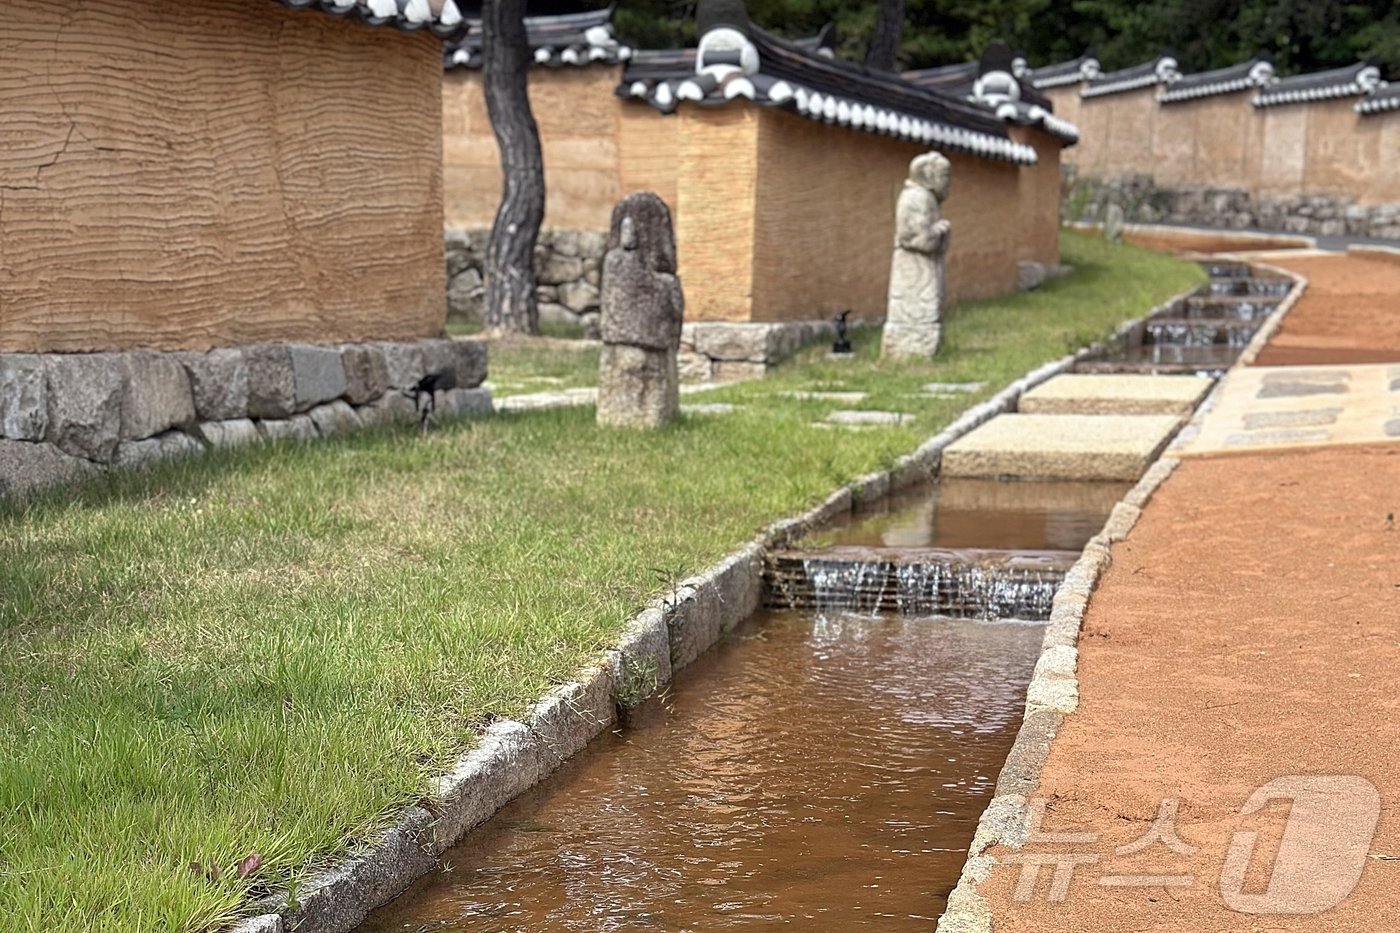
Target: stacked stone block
<point>1226,208</point>
<point>568,264</point>
<point>64,415</point>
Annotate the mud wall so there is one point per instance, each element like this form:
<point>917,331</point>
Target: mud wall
<point>184,174</point>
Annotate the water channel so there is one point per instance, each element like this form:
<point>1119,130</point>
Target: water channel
<point>816,769</point>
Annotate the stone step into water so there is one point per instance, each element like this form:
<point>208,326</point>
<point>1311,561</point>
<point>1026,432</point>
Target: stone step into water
<point>1104,394</point>
<point>1082,447</point>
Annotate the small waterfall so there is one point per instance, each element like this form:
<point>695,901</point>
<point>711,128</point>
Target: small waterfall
<point>1183,333</point>
<point>854,587</point>
<point>1199,333</point>
<point>920,589</point>
<point>919,582</point>
<point>1024,595</point>
<point>1239,337</point>
<point>1275,288</point>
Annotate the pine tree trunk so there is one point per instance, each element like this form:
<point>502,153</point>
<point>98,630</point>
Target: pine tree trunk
<point>884,44</point>
<point>510,256</point>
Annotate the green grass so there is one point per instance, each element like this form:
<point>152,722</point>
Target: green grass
<point>521,366</point>
<point>458,327</point>
<point>269,650</point>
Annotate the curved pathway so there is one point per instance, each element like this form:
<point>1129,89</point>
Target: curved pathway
<point>1233,761</point>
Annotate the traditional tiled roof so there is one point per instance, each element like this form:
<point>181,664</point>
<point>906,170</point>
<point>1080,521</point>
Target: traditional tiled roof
<point>1008,96</point>
<point>1161,70</point>
<point>956,79</point>
<point>1256,73</point>
<point>1382,99</point>
<point>443,17</point>
<point>745,62</point>
<point>1083,68</point>
<point>1352,81</point>
<point>1029,114</point>
<point>823,43</point>
<point>567,39</point>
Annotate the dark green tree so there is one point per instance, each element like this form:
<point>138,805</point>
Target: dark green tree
<point>1298,35</point>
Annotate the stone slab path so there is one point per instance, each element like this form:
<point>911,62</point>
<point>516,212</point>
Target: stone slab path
<point>1231,764</point>
<point>1301,406</point>
<point>1069,447</point>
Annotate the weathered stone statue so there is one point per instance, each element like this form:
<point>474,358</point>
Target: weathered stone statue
<point>642,307</point>
<point>1113,222</point>
<point>919,272</point>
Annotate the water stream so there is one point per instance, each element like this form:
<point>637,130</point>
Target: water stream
<point>823,772</point>
<point>824,768</point>
<point>1206,335</point>
<point>1024,515</point>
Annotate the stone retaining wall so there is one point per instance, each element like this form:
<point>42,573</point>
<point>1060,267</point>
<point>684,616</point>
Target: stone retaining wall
<point>569,264</point>
<point>66,415</point>
<point>1229,208</point>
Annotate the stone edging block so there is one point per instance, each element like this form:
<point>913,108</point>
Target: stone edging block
<point>504,764</point>
<point>641,663</point>
<point>570,716</point>
<point>134,407</point>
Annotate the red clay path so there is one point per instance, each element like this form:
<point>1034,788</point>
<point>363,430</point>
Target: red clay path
<point>1350,313</point>
<point>1248,630</point>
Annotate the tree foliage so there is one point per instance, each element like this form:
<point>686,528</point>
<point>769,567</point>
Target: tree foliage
<point>1297,35</point>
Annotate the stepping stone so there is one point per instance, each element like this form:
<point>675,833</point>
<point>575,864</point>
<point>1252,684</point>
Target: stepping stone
<point>1268,420</point>
<point>1093,394</point>
<point>695,388</point>
<point>848,398</point>
<point>708,408</point>
<point>868,418</point>
<point>1277,438</point>
<point>535,401</point>
<point>953,388</point>
<point>1292,382</point>
<point>1083,447</point>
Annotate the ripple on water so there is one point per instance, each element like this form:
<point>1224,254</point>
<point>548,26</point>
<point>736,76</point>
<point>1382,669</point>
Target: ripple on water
<point>818,772</point>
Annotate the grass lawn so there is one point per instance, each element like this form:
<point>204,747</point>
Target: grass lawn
<point>267,650</point>
<point>532,365</point>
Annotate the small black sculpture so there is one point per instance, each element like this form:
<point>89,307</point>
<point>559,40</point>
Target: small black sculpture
<point>427,388</point>
<point>843,343</point>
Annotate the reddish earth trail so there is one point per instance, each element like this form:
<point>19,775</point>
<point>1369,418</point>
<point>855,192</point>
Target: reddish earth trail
<point>1349,314</point>
<point>1247,630</point>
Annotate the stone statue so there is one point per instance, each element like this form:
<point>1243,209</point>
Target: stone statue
<point>1113,222</point>
<point>919,272</point>
<point>642,307</point>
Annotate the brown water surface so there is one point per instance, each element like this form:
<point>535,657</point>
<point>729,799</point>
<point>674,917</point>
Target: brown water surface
<point>818,773</point>
<point>982,513</point>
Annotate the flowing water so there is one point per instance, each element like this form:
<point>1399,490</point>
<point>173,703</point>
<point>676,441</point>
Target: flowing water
<point>1187,333</point>
<point>818,772</point>
<point>962,584</point>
